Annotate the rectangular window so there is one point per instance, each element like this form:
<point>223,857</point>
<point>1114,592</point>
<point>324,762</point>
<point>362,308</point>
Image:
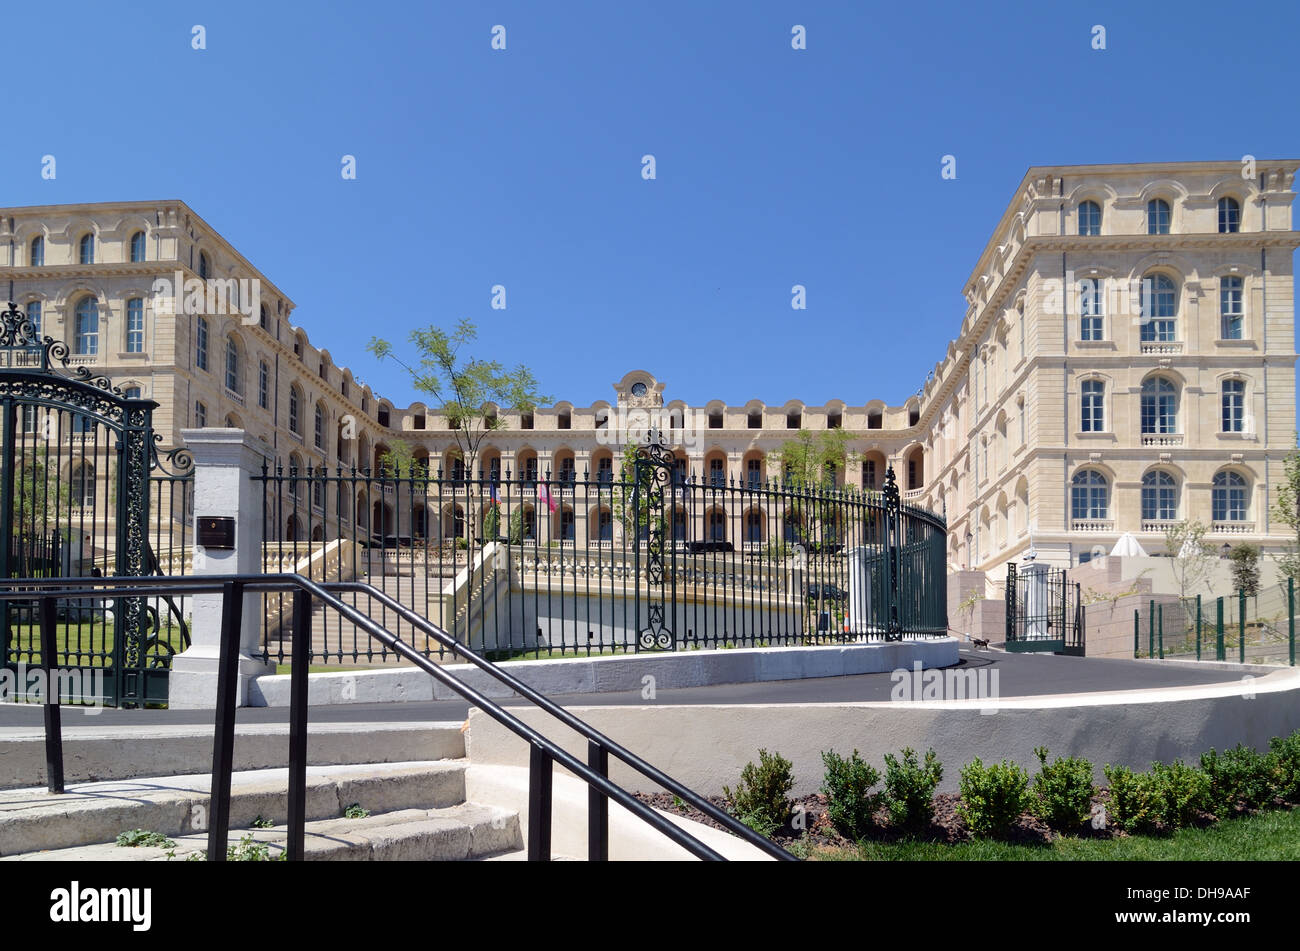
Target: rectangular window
<point>201,345</point>
<point>200,415</point>
<point>869,474</point>
<point>1092,417</point>
<point>135,325</point>
<point>1234,406</point>
<point>34,315</point>
<point>1090,316</point>
<point>263,385</point>
<point>1230,308</point>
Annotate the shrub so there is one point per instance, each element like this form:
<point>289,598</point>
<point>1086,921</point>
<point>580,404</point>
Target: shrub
<point>1063,791</point>
<point>847,784</point>
<point>762,799</point>
<point>992,797</point>
<point>1183,790</point>
<point>1238,777</point>
<point>1135,803</point>
<point>909,788</point>
<point>1286,765</point>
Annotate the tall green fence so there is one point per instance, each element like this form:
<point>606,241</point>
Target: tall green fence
<point>1256,628</point>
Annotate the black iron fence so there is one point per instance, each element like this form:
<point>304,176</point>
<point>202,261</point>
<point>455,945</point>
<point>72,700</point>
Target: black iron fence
<point>566,564</point>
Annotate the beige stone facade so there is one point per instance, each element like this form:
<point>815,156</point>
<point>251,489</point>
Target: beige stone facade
<point>1127,358</point>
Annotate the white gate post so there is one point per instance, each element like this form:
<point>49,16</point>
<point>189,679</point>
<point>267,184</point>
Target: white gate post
<point>225,461</point>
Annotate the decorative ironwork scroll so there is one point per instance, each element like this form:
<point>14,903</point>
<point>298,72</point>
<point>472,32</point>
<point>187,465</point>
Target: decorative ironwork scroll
<point>654,468</point>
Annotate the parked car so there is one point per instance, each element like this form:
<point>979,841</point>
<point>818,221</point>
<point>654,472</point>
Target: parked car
<point>826,592</point>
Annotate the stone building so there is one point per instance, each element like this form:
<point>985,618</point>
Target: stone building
<point>1126,360</point>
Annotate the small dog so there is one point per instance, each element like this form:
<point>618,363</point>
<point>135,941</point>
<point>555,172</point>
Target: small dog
<point>981,643</point>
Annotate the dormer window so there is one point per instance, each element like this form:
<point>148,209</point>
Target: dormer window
<point>913,416</point>
<point>384,417</point>
<point>565,421</point>
<point>875,421</point>
<point>526,421</point>
<point>417,421</point>
<point>715,420</point>
<point>793,420</point>
<point>755,419</point>
<point>834,420</point>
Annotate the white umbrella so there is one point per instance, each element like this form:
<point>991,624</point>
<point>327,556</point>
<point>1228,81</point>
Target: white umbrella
<point>1128,547</point>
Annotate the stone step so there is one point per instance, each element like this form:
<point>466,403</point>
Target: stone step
<point>93,753</point>
<point>451,833</point>
<point>34,820</point>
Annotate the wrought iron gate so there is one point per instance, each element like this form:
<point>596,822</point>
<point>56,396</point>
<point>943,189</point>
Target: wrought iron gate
<point>1044,611</point>
<point>80,469</point>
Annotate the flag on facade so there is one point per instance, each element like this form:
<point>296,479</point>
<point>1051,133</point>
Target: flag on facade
<point>493,497</point>
<point>544,495</point>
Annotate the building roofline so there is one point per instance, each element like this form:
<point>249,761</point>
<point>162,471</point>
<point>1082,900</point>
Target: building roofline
<point>153,206</point>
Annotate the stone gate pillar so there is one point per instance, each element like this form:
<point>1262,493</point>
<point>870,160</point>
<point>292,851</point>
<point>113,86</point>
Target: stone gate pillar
<point>225,461</point>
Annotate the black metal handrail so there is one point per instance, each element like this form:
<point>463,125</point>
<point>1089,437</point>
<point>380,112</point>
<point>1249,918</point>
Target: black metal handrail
<point>543,752</point>
<point>598,743</point>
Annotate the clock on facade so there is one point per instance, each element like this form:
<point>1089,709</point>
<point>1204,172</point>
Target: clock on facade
<point>638,389</point>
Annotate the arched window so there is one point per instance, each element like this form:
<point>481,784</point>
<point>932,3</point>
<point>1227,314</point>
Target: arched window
<point>1159,308</point>
<point>1228,497</point>
<point>87,322</point>
<point>1090,218</point>
<point>753,526</point>
<point>1229,216</point>
<point>317,491</point>
<point>566,524</point>
<point>137,247</point>
<point>717,471</point>
<point>606,525</point>
<point>319,427</point>
<point>605,470</point>
<point>201,343</point>
<point>135,325</point>
<point>1230,314</point>
<point>1089,496</point>
<point>86,249</point>
<point>1234,406</point>
<point>717,526</point>
<point>1159,497</point>
<point>38,252</point>
<point>1092,409</point>
<point>295,403</point>
<point>1091,326</point>
<point>1158,216</point>
<point>261,321</point>
<point>754,473</point>
<point>203,266</point>
<point>1159,406</point>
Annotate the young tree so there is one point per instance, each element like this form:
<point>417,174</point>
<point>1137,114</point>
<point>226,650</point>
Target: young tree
<point>811,459</point>
<point>1287,511</point>
<point>1191,558</point>
<point>399,460</point>
<point>809,463</point>
<point>1245,567</point>
<point>462,386</point>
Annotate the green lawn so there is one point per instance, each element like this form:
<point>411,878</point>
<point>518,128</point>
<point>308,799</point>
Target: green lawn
<point>85,642</point>
<point>1267,836</point>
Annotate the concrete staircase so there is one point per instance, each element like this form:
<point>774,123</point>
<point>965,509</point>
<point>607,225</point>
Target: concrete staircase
<point>418,811</point>
<point>333,635</point>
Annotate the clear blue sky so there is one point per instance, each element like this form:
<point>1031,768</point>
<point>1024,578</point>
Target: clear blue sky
<point>522,167</point>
